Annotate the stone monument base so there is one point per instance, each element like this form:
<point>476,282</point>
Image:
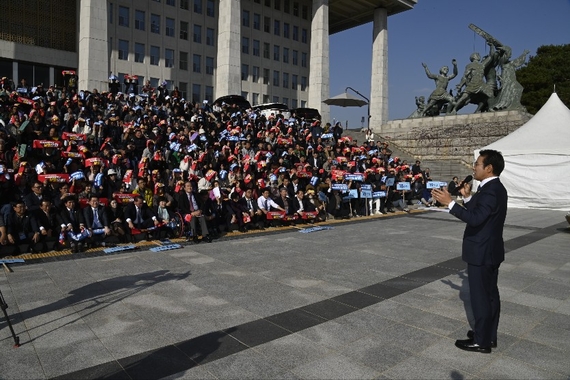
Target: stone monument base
<point>451,138</point>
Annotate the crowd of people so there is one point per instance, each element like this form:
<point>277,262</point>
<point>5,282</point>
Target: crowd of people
<point>83,168</point>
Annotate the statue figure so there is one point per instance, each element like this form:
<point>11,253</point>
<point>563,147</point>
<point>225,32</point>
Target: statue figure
<point>509,96</point>
<point>475,88</point>
<point>420,107</point>
<point>439,97</point>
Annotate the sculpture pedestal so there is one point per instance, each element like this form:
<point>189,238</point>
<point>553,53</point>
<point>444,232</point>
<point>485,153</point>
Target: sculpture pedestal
<point>446,139</point>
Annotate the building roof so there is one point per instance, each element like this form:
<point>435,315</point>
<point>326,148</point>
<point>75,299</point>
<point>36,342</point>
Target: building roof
<point>346,14</point>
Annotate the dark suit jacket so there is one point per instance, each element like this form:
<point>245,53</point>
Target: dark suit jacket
<point>63,217</point>
<point>131,212</point>
<point>243,202</point>
<point>184,204</point>
<point>289,210</point>
<point>32,201</point>
<point>88,216</point>
<point>48,222</point>
<point>485,216</point>
<point>307,206</point>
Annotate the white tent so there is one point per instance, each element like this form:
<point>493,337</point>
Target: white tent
<point>537,159</point>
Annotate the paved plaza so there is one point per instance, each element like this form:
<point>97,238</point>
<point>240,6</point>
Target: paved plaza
<point>378,297</point>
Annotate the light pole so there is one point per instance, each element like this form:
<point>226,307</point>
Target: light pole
<point>367,102</point>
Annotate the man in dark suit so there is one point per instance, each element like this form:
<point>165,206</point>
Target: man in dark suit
<point>257,216</point>
<point>189,207</point>
<point>483,247</point>
<point>139,215</point>
<point>73,225</point>
<point>33,200</point>
<point>96,220</point>
<point>44,220</point>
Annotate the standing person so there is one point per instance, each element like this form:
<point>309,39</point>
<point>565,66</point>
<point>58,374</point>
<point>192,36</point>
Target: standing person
<point>483,246</point>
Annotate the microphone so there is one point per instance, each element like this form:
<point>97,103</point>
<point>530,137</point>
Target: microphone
<point>467,179</point>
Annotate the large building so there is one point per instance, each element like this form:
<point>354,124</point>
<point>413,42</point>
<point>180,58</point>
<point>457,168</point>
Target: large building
<point>265,50</point>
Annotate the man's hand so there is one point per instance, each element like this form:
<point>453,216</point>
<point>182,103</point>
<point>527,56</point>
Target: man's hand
<point>131,225</point>
<point>107,231</point>
<point>11,239</point>
<point>156,222</point>
<point>466,190</point>
<point>36,237</point>
<point>44,232</point>
<point>442,196</point>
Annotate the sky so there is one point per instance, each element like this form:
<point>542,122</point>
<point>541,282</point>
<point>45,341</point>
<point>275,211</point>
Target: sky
<point>435,32</point>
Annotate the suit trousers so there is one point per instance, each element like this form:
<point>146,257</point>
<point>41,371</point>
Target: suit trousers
<point>485,302</point>
<point>203,226</point>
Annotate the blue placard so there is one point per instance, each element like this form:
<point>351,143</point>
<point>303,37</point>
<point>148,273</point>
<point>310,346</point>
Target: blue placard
<point>379,194</point>
<point>11,261</point>
<point>165,248</point>
<point>354,177</point>
<point>390,181</point>
<point>366,186</point>
<point>366,193</point>
<point>120,248</point>
<point>339,186</point>
<point>433,185</point>
<point>403,186</point>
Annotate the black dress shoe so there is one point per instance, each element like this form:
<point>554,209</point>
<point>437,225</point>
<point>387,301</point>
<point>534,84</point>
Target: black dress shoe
<point>195,239</point>
<point>208,238</point>
<point>471,335</point>
<point>469,345</point>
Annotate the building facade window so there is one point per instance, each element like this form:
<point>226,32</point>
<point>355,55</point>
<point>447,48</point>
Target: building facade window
<point>287,6</point>
<point>294,81</point>
<point>245,18</point>
<point>210,37</point>
<point>286,30</point>
<point>170,27</point>
<point>276,76</point>
<point>197,63</point>
<point>305,12</point>
<point>277,5</point>
<point>256,21</point>
<point>210,65</point>
<point>197,34</point>
<point>154,23</point>
<point>244,71</point>
<point>196,93</point>
<point>256,48</point>
<point>277,27</point>
<point>245,45</point>
<point>267,24</point>
<point>265,98</point>
<point>255,98</point>
<point>172,3</point>
<point>183,88</point>
<point>154,55</point>
<point>110,13</point>
<point>124,16</point>
<point>183,30</point>
<point>139,19</point>
<point>276,50</point>
<point>285,55</point>
<point>183,61</point>
<point>295,33</point>
<point>210,8</point>
<point>266,50</point>
<point>304,35</point>
<point>285,80</point>
<point>139,52</point>
<point>296,8</point>
<point>255,74</point>
<point>209,94</point>
<point>198,6</point>
<point>295,57</point>
<point>303,59</point>
<point>275,99</point>
<point>124,50</point>
<point>168,58</point>
<point>285,101</point>
<point>265,76</point>
<point>185,4</point>
<point>294,103</point>
<point>303,83</point>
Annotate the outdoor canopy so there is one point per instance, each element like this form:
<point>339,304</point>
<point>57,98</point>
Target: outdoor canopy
<point>537,159</point>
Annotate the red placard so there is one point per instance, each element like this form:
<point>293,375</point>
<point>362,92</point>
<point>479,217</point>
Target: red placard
<point>124,198</point>
<point>40,144</point>
<point>58,178</point>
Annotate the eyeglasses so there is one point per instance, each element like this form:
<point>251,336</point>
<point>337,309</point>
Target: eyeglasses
<point>475,164</point>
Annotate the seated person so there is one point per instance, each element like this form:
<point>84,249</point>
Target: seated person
<point>45,221</point>
<point>237,214</point>
<point>256,215</point>
<point>19,230</point>
<point>266,204</point>
<point>72,226</point>
<point>116,217</point>
<point>139,216</point>
<point>301,206</point>
<point>96,221</point>
<point>192,213</point>
<point>165,218</point>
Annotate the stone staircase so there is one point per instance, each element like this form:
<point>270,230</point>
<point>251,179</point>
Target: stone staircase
<point>441,170</point>
<point>445,145</point>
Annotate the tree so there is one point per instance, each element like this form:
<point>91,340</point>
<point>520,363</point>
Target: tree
<point>549,67</point>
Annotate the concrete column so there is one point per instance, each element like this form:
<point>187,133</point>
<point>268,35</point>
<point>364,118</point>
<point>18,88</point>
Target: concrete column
<point>51,76</point>
<point>228,68</point>
<point>15,73</point>
<point>93,65</point>
<point>379,80</point>
<point>319,89</point>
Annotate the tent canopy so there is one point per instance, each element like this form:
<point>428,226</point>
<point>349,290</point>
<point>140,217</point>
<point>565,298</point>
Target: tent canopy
<point>537,159</point>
